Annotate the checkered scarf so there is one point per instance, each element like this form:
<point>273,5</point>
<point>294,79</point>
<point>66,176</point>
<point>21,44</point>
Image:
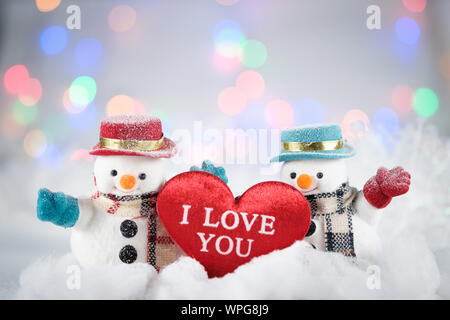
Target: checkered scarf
<point>161,248</point>
<point>335,210</point>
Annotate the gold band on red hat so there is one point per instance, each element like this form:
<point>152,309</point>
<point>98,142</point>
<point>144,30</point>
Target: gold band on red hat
<point>313,146</point>
<point>133,145</point>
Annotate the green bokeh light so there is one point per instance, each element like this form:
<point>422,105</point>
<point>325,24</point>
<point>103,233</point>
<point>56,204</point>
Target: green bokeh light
<point>56,128</point>
<point>426,103</point>
<point>255,54</point>
<point>24,114</point>
<point>83,90</point>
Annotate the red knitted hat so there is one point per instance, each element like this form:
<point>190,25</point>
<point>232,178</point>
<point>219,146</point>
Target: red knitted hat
<point>133,135</point>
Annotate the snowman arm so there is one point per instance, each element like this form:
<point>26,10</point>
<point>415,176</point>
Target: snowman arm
<point>58,208</point>
<point>86,210</point>
<point>366,211</point>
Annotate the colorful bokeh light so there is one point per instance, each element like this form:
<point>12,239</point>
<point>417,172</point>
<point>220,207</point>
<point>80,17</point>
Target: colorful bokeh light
<point>251,83</point>
<point>444,65</point>
<point>81,93</point>
<point>402,98</point>
<point>425,102</point>
<point>407,31</point>
<point>35,143</point>
<point>228,41</point>
<point>51,159</point>
<point>55,127</point>
<point>355,124</point>
<point>308,111</point>
<point>24,115</point>
<point>415,5</point>
<point>231,101</point>
<point>10,128</point>
<point>253,117</point>
<point>81,155</point>
<point>123,104</point>
<point>279,114</point>
<point>84,120</point>
<point>88,52</point>
<point>16,79</point>
<point>385,124</point>
<point>32,93</point>
<point>47,5</point>
<point>226,64</point>
<point>227,2</point>
<point>254,54</point>
<point>122,18</point>
<point>53,40</point>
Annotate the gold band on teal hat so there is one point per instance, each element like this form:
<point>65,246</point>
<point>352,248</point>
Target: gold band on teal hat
<point>313,146</point>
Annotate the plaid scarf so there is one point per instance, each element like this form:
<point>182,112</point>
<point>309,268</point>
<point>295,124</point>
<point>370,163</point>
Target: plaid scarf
<point>335,211</point>
<point>161,250</point>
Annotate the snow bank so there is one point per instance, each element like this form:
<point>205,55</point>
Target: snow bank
<point>415,233</point>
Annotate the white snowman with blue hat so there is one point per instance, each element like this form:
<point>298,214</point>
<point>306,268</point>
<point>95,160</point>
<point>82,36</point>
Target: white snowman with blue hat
<point>344,220</point>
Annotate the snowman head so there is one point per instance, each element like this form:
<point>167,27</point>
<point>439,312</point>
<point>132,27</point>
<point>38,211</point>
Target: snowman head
<point>130,153</point>
<point>312,176</point>
<point>128,175</point>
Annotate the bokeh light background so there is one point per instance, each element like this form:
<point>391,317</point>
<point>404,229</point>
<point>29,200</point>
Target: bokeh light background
<point>235,64</point>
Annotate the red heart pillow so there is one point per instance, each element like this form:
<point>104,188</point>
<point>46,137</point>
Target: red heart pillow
<point>203,218</point>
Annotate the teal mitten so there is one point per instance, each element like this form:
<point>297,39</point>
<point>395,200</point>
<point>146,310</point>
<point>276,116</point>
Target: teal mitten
<point>208,166</point>
<point>57,208</point>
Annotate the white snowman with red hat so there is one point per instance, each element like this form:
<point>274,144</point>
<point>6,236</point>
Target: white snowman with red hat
<point>118,223</point>
<point>344,220</point>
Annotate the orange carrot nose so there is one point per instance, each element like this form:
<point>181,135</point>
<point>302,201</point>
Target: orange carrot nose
<point>127,181</point>
<point>304,181</point>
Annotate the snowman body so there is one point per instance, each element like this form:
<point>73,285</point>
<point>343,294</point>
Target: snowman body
<point>114,225</point>
<point>322,177</point>
<point>102,238</point>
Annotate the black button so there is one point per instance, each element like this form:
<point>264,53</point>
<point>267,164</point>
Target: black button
<point>128,228</point>
<point>128,254</point>
<point>311,230</point>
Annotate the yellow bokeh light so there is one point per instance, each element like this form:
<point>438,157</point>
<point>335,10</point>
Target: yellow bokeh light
<point>123,104</point>
<point>35,143</point>
<point>122,18</point>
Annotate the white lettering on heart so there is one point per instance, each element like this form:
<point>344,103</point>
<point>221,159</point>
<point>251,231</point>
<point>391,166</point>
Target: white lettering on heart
<point>205,241</point>
<point>186,208</point>
<point>208,217</point>
<point>224,245</point>
<point>230,245</point>
<point>224,220</point>
<point>248,225</point>
<point>265,224</point>
<point>238,247</point>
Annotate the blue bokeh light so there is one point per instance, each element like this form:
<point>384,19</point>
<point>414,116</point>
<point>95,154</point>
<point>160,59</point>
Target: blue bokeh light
<point>385,123</point>
<point>84,120</point>
<point>308,111</point>
<point>51,158</point>
<point>88,52</point>
<point>407,31</point>
<point>53,40</point>
<point>252,117</point>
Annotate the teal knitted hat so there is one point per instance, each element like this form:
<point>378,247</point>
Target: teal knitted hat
<point>313,142</point>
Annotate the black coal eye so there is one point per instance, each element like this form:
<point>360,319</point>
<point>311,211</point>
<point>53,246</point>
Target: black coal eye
<point>114,173</point>
<point>293,175</point>
<point>319,175</point>
<point>142,176</point>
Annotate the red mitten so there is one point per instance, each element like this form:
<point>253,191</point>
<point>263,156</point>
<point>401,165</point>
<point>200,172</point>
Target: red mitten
<point>386,184</point>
